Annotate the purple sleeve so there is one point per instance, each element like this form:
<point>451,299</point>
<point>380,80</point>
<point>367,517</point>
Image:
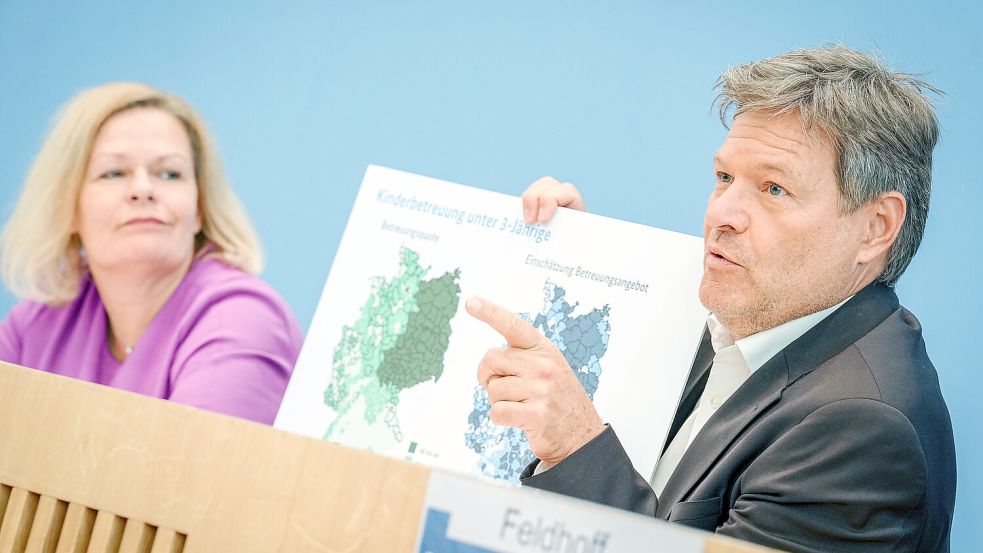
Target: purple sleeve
<point>238,356</point>
<point>10,335</point>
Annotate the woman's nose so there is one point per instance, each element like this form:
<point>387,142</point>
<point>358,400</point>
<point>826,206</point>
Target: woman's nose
<point>141,187</point>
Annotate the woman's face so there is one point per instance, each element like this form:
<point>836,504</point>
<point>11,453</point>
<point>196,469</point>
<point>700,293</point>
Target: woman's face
<point>138,206</point>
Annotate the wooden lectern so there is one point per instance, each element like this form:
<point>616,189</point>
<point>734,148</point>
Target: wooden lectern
<point>86,468</point>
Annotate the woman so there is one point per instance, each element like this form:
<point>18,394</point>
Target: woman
<point>136,262</point>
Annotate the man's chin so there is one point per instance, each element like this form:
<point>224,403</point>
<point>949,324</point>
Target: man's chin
<point>721,299</point>
<point>715,294</point>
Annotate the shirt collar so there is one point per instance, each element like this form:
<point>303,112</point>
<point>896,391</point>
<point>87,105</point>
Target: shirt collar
<point>758,348</point>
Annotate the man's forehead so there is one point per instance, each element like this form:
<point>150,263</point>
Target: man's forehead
<point>779,140</point>
<point>785,131</point>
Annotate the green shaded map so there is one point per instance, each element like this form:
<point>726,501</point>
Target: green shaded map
<point>398,341</point>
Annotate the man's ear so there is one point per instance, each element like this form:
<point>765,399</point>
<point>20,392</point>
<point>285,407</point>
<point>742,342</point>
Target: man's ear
<point>885,215</point>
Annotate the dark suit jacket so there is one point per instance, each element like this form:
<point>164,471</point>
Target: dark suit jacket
<point>841,442</point>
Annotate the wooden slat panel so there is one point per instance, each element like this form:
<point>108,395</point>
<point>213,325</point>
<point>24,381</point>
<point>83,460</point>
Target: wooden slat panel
<point>48,520</point>
<point>4,497</point>
<point>150,459</point>
<point>77,529</point>
<point>168,541</point>
<point>17,520</point>
<point>137,537</point>
<point>106,533</point>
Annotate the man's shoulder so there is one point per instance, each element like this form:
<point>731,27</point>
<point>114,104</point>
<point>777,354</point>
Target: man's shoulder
<point>895,356</point>
<point>886,375</point>
<point>888,360</point>
<point>888,366</point>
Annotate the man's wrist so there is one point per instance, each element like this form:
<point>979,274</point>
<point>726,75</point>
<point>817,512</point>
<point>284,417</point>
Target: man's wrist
<point>586,438</point>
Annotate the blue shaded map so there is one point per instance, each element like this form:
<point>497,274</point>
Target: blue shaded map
<point>583,340</point>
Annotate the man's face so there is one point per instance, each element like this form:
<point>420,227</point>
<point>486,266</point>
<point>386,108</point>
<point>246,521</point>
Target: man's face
<point>776,246</point>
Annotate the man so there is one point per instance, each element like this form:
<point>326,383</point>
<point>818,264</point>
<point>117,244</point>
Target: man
<point>812,418</point>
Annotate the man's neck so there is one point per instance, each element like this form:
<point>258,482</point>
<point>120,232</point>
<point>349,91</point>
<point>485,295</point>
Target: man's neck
<point>742,325</point>
<point>761,346</point>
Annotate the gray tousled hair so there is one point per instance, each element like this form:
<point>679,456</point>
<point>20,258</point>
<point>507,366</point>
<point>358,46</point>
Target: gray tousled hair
<point>880,123</point>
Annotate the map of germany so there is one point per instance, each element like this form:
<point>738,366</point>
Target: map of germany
<point>583,340</point>
<point>398,341</point>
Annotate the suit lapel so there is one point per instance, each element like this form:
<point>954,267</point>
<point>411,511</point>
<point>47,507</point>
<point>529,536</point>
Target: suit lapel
<point>845,326</point>
<point>754,397</point>
<point>695,384</point>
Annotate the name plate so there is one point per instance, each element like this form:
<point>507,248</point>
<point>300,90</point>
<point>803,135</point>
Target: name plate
<point>466,515</point>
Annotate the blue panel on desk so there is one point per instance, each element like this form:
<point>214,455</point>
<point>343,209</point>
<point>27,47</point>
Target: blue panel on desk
<point>435,538</point>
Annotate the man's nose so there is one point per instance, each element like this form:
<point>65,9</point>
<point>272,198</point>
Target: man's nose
<point>141,187</point>
<point>728,209</point>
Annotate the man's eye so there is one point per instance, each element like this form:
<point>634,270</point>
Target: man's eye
<point>775,190</point>
<point>725,178</point>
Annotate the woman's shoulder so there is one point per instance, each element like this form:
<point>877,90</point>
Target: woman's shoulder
<point>213,286</point>
<point>30,325</point>
<point>213,278</point>
<point>24,319</point>
<point>29,313</point>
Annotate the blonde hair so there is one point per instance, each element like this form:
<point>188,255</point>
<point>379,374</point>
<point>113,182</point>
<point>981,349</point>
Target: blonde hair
<point>40,255</point>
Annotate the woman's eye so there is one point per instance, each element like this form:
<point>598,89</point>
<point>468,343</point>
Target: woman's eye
<point>170,175</point>
<point>111,174</point>
<point>775,190</point>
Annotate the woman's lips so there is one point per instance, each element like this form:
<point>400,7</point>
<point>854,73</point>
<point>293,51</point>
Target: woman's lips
<point>141,221</point>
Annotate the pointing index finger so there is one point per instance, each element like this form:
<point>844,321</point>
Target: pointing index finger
<point>517,332</point>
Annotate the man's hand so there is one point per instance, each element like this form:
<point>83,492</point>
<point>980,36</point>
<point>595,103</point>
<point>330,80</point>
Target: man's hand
<point>530,386</point>
<point>540,200</point>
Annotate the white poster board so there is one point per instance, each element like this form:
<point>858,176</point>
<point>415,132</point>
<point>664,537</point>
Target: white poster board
<point>389,362</point>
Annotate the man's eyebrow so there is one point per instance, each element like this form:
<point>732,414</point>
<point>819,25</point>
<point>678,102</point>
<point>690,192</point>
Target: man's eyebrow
<point>781,168</point>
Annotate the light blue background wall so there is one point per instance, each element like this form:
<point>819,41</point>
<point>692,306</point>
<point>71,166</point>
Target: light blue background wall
<point>613,96</point>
